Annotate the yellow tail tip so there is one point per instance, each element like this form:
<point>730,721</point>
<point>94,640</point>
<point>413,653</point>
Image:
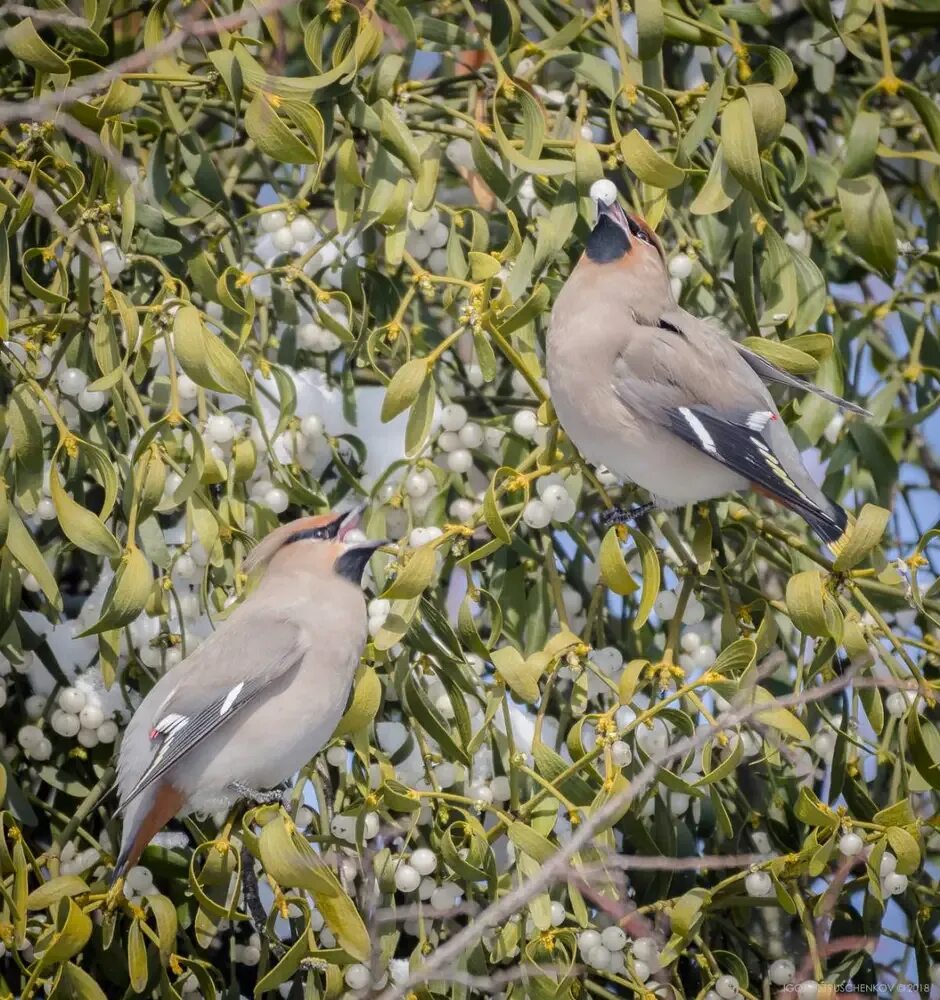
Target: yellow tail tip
<point>838,545</point>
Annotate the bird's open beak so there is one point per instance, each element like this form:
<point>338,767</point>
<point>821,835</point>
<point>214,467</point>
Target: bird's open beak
<point>352,520</point>
<point>615,213</point>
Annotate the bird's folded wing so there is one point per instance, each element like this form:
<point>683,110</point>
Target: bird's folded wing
<point>230,671</point>
<point>666,366</point>
<point>771,373</point>
<point>740,443</point>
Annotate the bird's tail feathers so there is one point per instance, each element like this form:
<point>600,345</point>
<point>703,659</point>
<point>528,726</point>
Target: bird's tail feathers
<point>831,525</point>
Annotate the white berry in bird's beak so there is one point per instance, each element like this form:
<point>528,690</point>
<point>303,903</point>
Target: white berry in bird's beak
<point>604,192</point>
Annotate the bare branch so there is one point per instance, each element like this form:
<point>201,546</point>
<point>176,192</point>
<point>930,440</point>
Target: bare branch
<point>41,16</point>
<point>448,954</point>
<point>44,205</point>
<point>195,26</point>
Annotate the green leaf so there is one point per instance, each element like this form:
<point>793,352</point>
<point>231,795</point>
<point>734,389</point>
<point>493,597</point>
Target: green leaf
<point>291,861</point>
<point>24,42</point>
<point>736,659</point>
<point>923,741</point>
<point>899,814</point>
<point>204,357</point>
<point>739,142</point>
<point>532,843</point>
<point>652,577</point>
<point>404,387</point>
<point>482,266</point>
<point>782,355</point>
<point>24,550</point>
<point>70,934</point>
<point>416,574</point>
<point>774,716</point>
<point>686,912</point>
<point>518,673</point>
<point>83,529</point>
<point>613,567</point>
<point>127,593</point>
<point>862,537</point>
<point>630,679</point>
<point>49,893</point>
<point>805,603</point>
<point>74,983</point>
<point>862,144</point>
<point>812,811</point>
<point>651,27</point>
<point>137,958</point>
<point>366,699</point>
<point>397,136</point>
<point>719,190</point>
<point>768,111</point>
<point>420,419</point>
<point>270,133</point>
<point>905,848</point>
<point>164,913</point>
<point>650,166</point>
<point>926,109</point>
<point>869,222</point>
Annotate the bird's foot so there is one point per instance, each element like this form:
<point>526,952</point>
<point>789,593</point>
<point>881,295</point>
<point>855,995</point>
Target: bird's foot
<point>621,515</point>
<point>261,797</point>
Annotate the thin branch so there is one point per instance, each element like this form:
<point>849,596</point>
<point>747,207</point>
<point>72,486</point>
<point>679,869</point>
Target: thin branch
<point>448,954</point>
<point>195,26</point>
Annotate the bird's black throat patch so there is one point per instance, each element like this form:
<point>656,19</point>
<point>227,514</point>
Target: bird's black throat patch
<point>607,242</point>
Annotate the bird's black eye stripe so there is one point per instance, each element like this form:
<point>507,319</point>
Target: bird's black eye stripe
<point>323,533</point>
<point>638,232</point>
<point>663,325</point>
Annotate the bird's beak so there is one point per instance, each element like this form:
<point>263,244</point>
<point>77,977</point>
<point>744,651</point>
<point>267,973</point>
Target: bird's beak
<point>352,520</point>
<point>615,213</point>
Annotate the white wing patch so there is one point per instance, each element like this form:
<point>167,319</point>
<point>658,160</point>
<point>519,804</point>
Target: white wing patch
<point>168,725</point>
<point>705,439</point>
<point>230,698</point>
<point>759,419</point>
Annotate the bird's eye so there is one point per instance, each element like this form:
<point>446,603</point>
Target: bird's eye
<point>316,534</point>
<point>639,231</point>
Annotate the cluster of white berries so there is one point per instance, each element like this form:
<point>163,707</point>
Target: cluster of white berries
<point>73,861</point>
<point>417,875</point>
<point>306,447</point>
<point>426,240</point>
<point>459,438</point>
<point>73,382</point>
<point>607,950</point>
<point>313,336</point>
<point>79,716</point>
<point>297,236</point>
<point>893,883</point>
<point>553,504</point>
<point>250,953</point>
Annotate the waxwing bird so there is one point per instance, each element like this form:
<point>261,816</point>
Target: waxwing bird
<point>665,399</point>
<point>261,696</point>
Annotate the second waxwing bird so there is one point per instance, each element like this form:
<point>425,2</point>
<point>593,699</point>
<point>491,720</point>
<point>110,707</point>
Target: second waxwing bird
<point>665,399</point>
<point>259,698</point>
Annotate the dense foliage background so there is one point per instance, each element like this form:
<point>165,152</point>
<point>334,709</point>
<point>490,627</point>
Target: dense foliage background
<point>264,259</point>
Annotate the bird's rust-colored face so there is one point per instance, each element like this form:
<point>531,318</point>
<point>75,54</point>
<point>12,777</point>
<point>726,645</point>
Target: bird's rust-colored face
<point>319,542</point>
<point>622,239</point>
